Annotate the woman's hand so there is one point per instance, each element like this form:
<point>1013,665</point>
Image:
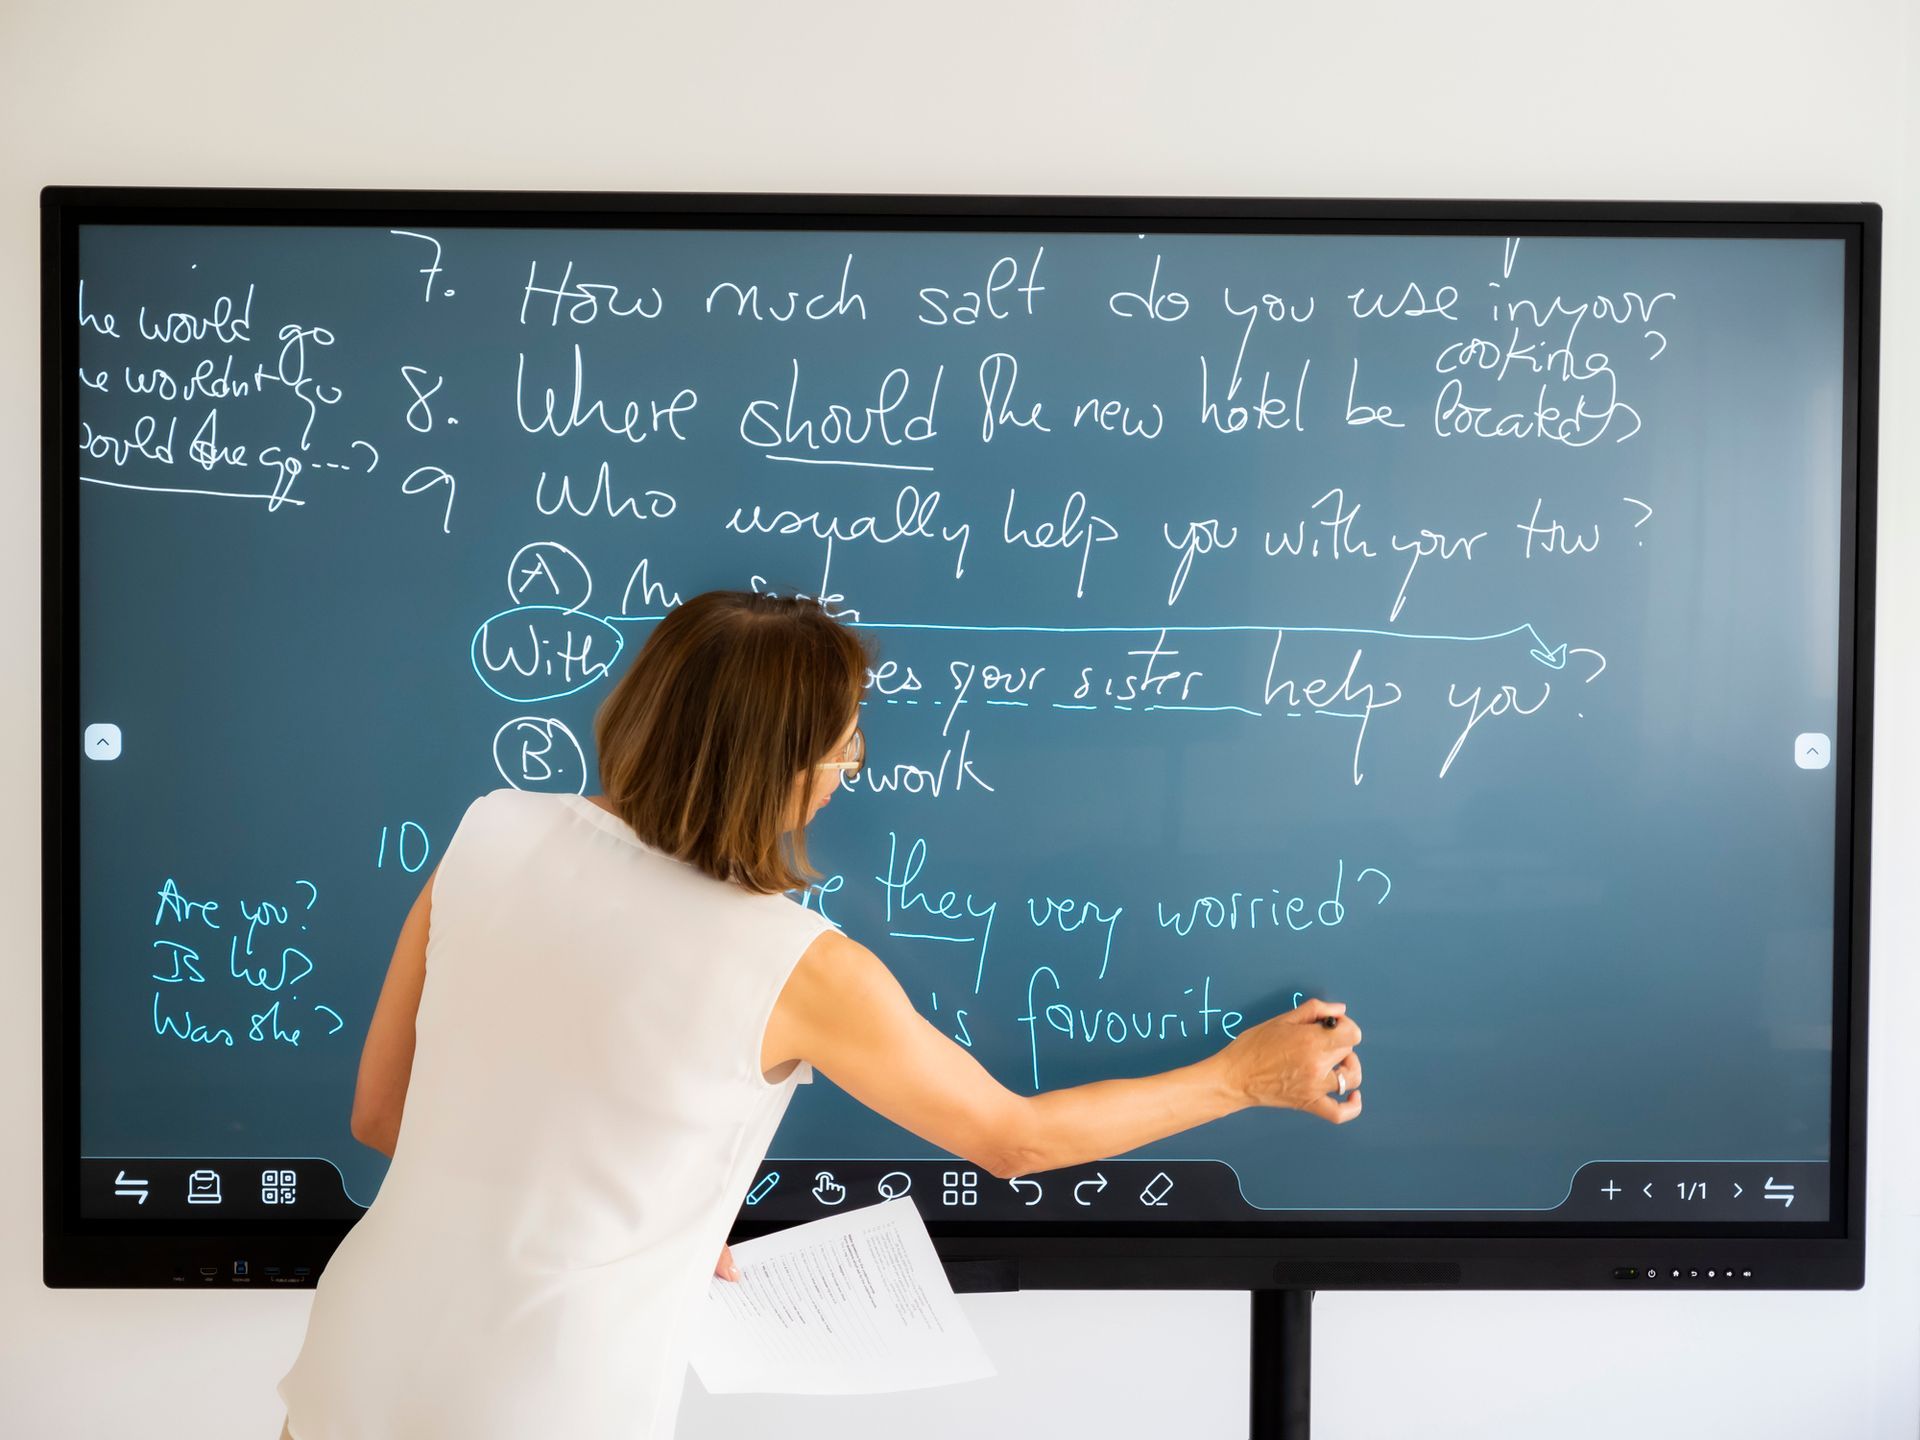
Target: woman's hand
<point>1293,1060</point>
<point>726,1269</point>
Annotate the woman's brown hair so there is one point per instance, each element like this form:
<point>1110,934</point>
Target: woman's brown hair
<point>731,696</point>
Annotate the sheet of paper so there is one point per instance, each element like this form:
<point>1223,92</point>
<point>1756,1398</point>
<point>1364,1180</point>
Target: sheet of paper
<point>852,1304</point>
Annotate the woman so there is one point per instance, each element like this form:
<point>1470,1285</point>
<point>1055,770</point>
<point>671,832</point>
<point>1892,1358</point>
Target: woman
<point>623,999</point>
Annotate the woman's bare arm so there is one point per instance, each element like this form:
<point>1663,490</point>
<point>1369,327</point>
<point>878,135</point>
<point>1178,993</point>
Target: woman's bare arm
<point>386,1058</point>
<point>844,1012</point>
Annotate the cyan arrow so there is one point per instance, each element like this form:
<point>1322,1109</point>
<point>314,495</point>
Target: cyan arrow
<point>1556,657</point>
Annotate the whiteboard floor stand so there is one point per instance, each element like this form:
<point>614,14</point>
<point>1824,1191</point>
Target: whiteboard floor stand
<point>1280,1365</point>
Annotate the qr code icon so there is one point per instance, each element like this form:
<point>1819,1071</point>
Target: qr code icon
<point>276,1187</point>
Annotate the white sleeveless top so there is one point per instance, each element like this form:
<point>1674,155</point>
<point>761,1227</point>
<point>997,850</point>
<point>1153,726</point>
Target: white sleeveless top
<point>585,1114</point>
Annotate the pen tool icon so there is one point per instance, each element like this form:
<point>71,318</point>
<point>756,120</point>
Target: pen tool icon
<point>759,1191</point>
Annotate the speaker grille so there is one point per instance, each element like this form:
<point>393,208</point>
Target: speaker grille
<point>1334,1274</point>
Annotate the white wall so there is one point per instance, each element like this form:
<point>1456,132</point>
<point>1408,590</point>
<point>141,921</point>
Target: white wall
<point>1627,99</point>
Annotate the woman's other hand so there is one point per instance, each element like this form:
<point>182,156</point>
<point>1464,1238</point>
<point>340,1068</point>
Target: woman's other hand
<point>726,1269</point>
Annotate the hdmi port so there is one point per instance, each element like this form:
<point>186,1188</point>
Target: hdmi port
<point>210,1271</point>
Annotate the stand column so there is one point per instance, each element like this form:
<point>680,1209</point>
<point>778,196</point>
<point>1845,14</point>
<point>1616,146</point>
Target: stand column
<point>1281,1371</point>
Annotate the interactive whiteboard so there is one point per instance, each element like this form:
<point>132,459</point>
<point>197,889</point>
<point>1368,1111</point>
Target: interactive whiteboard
<point>1452,620</point>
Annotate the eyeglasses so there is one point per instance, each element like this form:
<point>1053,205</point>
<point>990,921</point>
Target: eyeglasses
<point>849,760</point>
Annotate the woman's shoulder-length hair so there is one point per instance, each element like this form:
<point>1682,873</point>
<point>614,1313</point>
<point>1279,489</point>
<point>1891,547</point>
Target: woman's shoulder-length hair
<point>733,694</point>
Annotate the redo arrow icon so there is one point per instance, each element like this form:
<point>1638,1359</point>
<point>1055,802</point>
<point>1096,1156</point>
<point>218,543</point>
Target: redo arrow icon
<point>1099,1183</point>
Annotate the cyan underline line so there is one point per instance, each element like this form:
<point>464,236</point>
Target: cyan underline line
<point>1521,629</point>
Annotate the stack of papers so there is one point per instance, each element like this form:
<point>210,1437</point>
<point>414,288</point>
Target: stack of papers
<point>853,1304</point>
